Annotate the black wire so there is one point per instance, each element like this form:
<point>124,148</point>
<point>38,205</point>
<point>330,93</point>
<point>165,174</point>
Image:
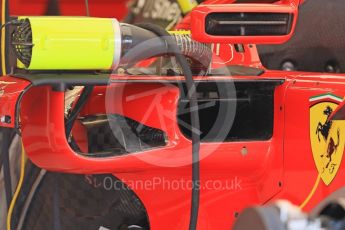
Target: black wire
<point>31,174</point>
<point>7,133</point>
<point>84,96</point>
<point>195,122</point>
<point>5,145</point>
<point>7,38</point>
<point>12,22</point>
<point>4,25</point>
<point>53,8</point>
<point>87,8</point>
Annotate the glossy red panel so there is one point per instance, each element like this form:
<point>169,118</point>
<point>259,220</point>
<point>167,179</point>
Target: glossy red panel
<point>98,8</point>
<point>10,90</point>
<point>199,14</point>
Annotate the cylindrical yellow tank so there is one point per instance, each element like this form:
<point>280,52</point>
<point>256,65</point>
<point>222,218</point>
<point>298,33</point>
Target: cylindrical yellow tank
<point>74,43</point>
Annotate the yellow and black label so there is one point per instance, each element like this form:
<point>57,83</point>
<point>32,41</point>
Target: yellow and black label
<point>326,136</point>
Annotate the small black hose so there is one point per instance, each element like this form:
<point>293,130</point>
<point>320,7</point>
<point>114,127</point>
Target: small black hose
<point>84,96</point>
<point>87,8</point>
<point>195,122</point>
<point>200,53</point>
<point>167,44</point>
<point>53,8</point>
<point>150,46</point>
<point>5,146</point>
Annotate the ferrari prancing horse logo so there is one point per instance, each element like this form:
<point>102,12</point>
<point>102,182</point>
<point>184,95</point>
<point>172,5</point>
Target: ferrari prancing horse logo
<point>327,137</point>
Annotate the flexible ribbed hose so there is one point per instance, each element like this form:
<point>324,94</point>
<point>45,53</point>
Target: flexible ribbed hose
<point>197,51</point>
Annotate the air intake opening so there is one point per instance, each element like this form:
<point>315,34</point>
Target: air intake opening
<point>22,42</point>
<point>249,24</point>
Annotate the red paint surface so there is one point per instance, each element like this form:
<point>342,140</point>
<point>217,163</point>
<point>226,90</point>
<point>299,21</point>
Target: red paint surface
<point>10,90</point>
<point>280,168</point>
<point>286,159</point>
<point>199,15</point>
<point>98,8</point>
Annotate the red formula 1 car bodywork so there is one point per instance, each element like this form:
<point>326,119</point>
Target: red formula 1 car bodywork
<point>300,160</point>
<point>280,168</point>
<point>101,8</point>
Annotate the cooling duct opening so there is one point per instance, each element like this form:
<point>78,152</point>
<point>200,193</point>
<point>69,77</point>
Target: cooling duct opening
<point>22,42</point>
<point>249,24</point>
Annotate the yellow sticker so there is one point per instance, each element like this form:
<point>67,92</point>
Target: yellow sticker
<point>187,5</point>
<point>327,137</point>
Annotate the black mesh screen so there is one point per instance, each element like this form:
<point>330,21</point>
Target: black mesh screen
<point>22,42</point>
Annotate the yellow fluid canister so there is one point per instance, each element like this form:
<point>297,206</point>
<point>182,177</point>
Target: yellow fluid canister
<point>74,43</point>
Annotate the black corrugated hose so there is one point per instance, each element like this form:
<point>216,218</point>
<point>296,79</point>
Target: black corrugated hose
<point>170,45</point>
<point>192,96</point>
